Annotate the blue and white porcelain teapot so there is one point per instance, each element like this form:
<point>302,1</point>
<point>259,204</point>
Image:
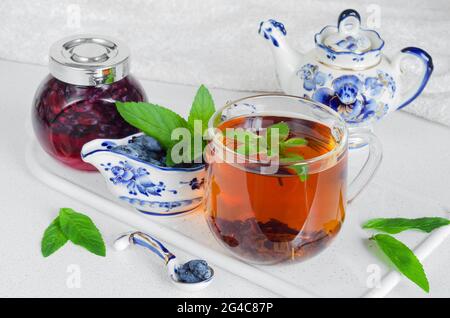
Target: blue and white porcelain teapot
<point>347,70</point>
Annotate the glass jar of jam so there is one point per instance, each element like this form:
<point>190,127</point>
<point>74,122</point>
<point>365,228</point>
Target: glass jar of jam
<point>76,102</point>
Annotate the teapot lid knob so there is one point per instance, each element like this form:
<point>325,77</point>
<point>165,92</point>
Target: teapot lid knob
<point>349,37</point>
<point>349,22</point>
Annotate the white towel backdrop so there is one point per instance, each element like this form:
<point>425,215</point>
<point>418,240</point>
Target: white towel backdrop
<point>215,42</point>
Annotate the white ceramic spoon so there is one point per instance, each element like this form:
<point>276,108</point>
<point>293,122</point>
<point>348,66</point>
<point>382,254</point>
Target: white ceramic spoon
<point>155,246</point>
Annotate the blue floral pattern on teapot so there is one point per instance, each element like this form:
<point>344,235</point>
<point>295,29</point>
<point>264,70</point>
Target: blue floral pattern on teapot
<point>355,97</point>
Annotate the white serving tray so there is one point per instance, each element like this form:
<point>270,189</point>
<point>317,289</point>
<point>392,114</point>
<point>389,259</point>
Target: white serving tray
<point>346,269</point>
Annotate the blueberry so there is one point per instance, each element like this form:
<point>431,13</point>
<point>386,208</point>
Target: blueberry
<point>149,156</point>
<point>125,150</point>
<point>194,271</point>
<point>199,268</point>
<point>144,148</point>
<point>148,142</point>
<point>187,165</point>
<point>152,161</point>
<point>187,276</point>
<point>140,149</point>
<point>146,153</point>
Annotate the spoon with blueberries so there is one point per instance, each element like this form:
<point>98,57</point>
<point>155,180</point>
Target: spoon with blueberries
<point>191,276</point>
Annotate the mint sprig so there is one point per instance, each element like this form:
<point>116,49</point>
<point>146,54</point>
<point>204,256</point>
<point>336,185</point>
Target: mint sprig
<point>399,254</point>
<point>159,122</point>
<point>73,226</point>
<point>250,143</point>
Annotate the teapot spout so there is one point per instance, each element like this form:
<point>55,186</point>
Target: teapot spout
<point>286,58</point>
<point>425,68</point>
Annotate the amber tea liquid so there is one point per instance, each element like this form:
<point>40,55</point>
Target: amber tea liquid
<point>271,218</point>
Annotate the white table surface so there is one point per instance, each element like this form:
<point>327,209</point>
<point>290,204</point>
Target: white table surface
<point>28,206</point>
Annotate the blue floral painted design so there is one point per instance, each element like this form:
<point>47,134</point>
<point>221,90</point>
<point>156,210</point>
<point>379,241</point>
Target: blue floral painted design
<point>195,184</point>
<point>354,99</point>
<point>166,205</point>
<point>358,58</point>
<point>278,25</point>
<point>108,144</point>
<point>135,179</point>
<point>352,96</point>
<point>375,86</point>
<point>345,97</point>
<point>331,56</point>
<point>266,29</point>
<point>349,43</point>
<point>312,77</point>
<point>381,111</point>
<point>387,81</point>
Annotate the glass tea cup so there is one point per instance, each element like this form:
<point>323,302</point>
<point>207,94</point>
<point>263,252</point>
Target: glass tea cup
<point>266,209</point>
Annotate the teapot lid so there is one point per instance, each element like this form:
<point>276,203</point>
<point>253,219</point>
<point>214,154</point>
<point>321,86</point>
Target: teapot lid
<point>348,44</point>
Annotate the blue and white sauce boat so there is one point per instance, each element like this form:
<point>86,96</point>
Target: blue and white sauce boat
<point>151,189</point>
<point>347,70</point>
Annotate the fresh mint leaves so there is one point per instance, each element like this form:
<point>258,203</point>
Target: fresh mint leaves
<point>397,225</point>
<point>153,120</point>
<point>73,226</point>
<point>403,258</point>
<point>301,171</point>
<point>202,108</point>
<point>399,254</point>
<point>281,128</point>
<point>53,239</point>
<point>159,122</point>
<point>295,142</point>
<point>251,143</point>
<point>285,148</point>
<point>80,230</point>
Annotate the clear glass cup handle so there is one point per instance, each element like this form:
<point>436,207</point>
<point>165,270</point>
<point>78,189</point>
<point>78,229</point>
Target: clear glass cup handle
<point>370,166</point>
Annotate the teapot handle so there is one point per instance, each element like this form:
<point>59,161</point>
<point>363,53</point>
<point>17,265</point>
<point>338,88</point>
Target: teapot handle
<point>426,68</point>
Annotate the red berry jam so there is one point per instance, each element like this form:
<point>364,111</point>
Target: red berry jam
<point>66,116</point>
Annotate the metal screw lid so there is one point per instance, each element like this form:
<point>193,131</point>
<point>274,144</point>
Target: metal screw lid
<point>89,60</point>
